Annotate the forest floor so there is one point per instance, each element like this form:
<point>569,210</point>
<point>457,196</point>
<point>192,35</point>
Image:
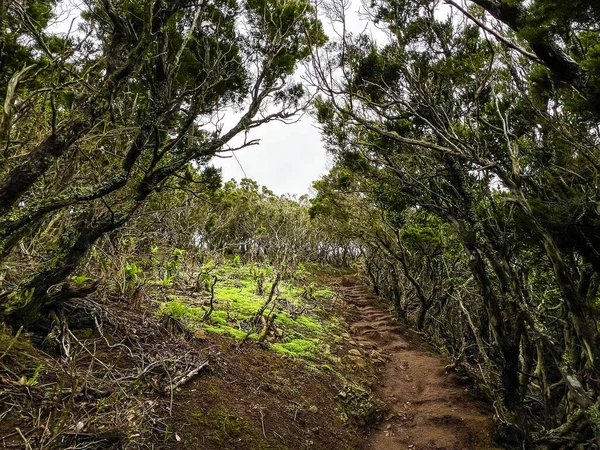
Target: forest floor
<point>334,371</point>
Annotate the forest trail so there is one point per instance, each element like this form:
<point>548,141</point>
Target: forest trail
<point>428,409</point>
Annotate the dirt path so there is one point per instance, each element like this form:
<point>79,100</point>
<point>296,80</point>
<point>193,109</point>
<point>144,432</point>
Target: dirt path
<point>430,409</point>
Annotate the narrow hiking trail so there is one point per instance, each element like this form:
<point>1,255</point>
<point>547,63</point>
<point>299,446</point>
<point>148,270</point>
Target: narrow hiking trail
<point>428,408</point>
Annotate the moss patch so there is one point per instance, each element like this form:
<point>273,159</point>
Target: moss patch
<point>234,332</point>
<point>309,323</point>
<point>230,430</point>
<point>298,347</point>
<point>303,326</point>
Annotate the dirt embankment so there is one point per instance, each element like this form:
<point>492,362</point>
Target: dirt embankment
<point>372,386</point>
<point>259,400</point>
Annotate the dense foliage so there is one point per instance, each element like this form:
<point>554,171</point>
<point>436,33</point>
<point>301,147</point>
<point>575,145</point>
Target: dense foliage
<point>467,160</point>
<point>242,221</point>
<point>466,145</point>
<point>128,103</point>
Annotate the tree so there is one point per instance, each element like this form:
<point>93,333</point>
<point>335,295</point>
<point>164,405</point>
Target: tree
<point>461,120</point>
<point>562,38</point>
<point>133,98</point>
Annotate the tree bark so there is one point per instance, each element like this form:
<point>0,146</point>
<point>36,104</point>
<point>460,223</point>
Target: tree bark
<point>74,244</point>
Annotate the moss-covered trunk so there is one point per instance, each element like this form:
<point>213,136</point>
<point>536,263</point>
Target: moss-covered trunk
<point>29,303</point>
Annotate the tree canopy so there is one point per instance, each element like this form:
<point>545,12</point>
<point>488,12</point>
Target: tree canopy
<point>128,103</point>
<point>466,149</point>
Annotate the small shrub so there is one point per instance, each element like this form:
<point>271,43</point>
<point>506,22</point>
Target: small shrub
<point>166,280</point>
<point>80,280</point>
<point>174,263</point>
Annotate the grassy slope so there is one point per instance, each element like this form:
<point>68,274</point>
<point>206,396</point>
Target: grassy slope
<point>303,326</point>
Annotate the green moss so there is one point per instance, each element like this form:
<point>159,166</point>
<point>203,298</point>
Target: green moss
<point>191,317</point>
<point>219,317</point>
<point>284,319</point>
<point>84,333</point>
<point>243,300</point>
<point>229,429</point>
<point>320,368</point>
<point>234,332</point>
<point>177,297</point>
<point>306,336</point>
<point>179,311</point>
<point>323,293</point>
<point>18,299</point>
<point>226,425</point>
<point>217,330</point>
<point>309,323</point>
<point>297,347</point>
<point>174,310</point>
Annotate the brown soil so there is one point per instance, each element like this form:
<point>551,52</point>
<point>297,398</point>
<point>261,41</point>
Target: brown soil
<point>248,397</point>
<point>428,407</point>
<point>256,399</point>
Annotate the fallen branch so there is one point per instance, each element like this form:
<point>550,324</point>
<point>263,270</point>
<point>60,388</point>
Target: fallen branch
<point>186,377</point>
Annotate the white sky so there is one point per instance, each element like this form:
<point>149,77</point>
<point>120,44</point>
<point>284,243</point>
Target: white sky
<point>290,157</point>
<point>287,160</point>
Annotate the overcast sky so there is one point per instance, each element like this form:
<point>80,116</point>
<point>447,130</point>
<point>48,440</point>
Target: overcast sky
<point>287,160</point>
<point>289,157</point>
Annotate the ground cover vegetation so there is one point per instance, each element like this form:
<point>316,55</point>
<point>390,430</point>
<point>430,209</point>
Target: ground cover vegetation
<point>464,187</point>
<point>186,294</point>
